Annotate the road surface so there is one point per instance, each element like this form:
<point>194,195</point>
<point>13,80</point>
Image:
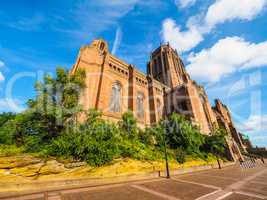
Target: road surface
<point>231,183</point>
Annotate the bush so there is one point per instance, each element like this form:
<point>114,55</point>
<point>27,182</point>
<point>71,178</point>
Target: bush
<point>96,145</point>
<point>10,150</point>
<point>5,117</point>
<point>128,126</point>
<point>216,143</point>
<point>8,132</point>
<point>181,134</point>
<point>180,155</point>
<point>33,143</point>
<point>147,136</point>
<point>138,151</point>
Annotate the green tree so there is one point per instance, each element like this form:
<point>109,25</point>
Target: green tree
<point>216,143</point>
<point>148,136</point>
<point>181,134</point>
<point>93,116</point>
<point>128,126</point>
<point>7,132</point>
<point>6,116</point>
<point>56,105</point>
<point>96,142</point>
<point>54,110</point>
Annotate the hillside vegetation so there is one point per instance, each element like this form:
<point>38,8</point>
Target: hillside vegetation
<point>49,128</point>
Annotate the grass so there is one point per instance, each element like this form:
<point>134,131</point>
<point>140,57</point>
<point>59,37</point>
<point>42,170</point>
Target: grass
<point>10,150</point>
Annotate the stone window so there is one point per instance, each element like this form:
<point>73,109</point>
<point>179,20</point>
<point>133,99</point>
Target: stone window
<point>159,108</point>
<point>102,46</point>
<point>182,105</point>
<point>115,98</point>
<point>202,99</point>
<point>160,65</point>
<point>140,105</point>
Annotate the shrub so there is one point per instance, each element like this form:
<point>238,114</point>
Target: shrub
<point>96,145</point>
<point>8,132</point>
<point>5,117</point>
<point>180,155</point>
<point>33,143</point>
<point>181,134</point>
<point>215,143</point>
<point>138,150</point>
<point>128,126</point>
<point>10,150</point>
<point>147,136</point>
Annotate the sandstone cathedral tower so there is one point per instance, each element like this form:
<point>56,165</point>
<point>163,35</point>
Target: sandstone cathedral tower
<point>114,87</point>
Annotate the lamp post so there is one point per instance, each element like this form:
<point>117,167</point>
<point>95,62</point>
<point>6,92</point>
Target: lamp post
<point>164,138</point>
<point>166,160</point>
<point>165,152</point>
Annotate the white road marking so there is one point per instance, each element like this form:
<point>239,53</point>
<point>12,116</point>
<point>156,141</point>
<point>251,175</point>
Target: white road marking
<point>220,177</point>
<point>209,194</point>
<point>239,184</point>
<point>259,196</point>
<point>108,186</point>
<point>214,195</point>
<point>154,192</point>
<point>224,196</point>
<point>195,183</point>
<point>232,188</point>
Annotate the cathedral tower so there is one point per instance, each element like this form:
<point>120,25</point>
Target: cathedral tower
<point>167,67</point>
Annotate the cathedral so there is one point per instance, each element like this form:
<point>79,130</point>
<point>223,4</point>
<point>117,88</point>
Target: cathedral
<point>115,87</point>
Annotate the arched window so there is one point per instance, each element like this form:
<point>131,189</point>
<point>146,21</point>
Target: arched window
<point>115,98</point>
<point>203,101</point>
<point>102,46</point>
<point>140,105</point>
<point>159,108</point>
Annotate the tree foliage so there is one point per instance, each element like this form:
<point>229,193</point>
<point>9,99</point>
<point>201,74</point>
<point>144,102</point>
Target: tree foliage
<point>181,134</point>
<point>6,116</point>
<point>96,142</point>
<point>128,126</point>
<point>216,143</point>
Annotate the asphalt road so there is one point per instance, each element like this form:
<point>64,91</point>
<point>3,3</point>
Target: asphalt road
<point>231,183</point>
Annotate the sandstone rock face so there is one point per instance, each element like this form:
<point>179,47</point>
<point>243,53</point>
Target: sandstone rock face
<point>75,164</point>
<point>18,173</point>
<point>30,167</point>
<point>17,161</point>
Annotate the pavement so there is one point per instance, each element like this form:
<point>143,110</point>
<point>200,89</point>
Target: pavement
<point>230,183</point>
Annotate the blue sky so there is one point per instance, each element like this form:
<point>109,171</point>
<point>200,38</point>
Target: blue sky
<point>223,44</point>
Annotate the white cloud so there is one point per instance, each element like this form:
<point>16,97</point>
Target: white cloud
<point>182,41</point>
<point>226,56</point>
<point>11,105</point>
<point>92,17</point>
<point>184,3</point>
<point>117,41</point>
<point>30,59</point>
<point>255,123</point>
<point>1,75</point>
<point>27,23</point>
<point>227,10</point>
<point>199,25</point>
